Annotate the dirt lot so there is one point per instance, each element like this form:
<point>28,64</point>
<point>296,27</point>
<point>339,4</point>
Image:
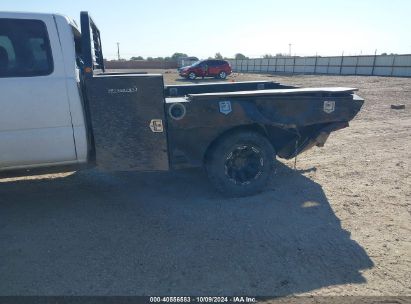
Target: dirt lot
<point>340,225</point>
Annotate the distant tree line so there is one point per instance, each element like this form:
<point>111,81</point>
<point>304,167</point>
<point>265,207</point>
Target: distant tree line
<point>236,56</point>
<point>173,57</point>
<point>178,55</point>
<point>218,55</point>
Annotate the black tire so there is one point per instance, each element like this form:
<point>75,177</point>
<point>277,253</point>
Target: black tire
<point>192,76</point>
<point>240,163</point>
<point>222,75</point>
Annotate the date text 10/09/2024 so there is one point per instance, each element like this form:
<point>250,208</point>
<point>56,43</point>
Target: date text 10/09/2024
<point>239,299</point>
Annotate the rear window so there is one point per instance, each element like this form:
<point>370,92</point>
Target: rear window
<point>213,63</point>
<point>24,48</point>
<point>217,62</point>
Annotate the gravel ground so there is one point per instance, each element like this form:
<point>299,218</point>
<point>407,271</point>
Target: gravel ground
<point>339,225</point>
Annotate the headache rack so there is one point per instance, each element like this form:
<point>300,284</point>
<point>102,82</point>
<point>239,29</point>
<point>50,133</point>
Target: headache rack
<point>92,52</point>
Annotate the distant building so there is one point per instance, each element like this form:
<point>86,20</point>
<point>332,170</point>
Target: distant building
<point>186,61</point>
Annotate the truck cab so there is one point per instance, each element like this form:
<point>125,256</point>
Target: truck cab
<point>41,119</point>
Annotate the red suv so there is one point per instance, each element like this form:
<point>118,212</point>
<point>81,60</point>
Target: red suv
<point>206,68</point>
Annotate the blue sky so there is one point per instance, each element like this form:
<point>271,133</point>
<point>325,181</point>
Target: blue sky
<point>202,28</point>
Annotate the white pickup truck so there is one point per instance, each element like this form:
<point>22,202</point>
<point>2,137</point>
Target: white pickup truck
<point>42,120</point>
<point>60,110</point>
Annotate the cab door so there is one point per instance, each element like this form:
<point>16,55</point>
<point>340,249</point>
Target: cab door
<point>35,120</point>
<point>201,69</point>
<point>213,68</point>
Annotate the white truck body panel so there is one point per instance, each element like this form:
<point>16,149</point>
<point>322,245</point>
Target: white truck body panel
<point>73,86</point>
<point>41,118</point>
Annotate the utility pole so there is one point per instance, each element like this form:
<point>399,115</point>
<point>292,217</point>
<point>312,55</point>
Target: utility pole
<point>118,51</point>
<point>373,64</point>
<point>289,49</point>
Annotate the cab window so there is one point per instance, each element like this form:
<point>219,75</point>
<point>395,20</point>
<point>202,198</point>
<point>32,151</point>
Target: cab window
<point>24,48</point>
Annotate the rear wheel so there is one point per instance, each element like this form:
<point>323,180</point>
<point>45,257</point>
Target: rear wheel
<point>192,76</point>
<point>222,75</point>
<point>240,163</point>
